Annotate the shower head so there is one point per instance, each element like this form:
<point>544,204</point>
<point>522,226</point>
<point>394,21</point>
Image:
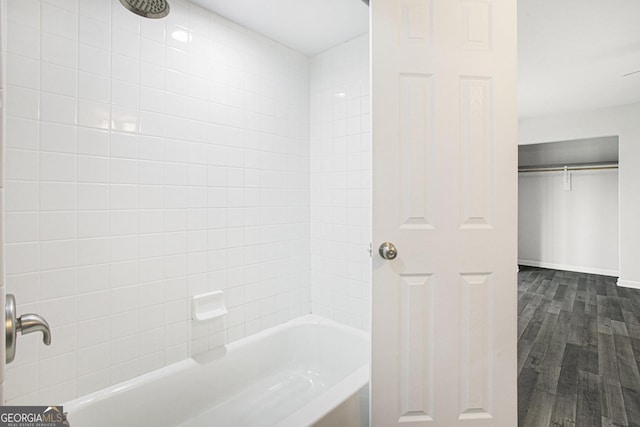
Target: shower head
<point>147,8</point>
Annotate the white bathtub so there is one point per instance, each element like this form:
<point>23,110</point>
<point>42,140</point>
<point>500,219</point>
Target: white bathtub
<point>293,375</point>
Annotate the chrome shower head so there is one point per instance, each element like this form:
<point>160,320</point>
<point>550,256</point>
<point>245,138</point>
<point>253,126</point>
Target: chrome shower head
<point>147,8</point>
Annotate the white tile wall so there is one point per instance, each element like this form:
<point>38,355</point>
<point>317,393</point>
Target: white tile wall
<point>3,26</point>
<point>148,161</point>
<point>341,183</point>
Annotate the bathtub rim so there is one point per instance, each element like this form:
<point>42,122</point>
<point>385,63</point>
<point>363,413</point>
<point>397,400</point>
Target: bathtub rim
<point>314,410</point>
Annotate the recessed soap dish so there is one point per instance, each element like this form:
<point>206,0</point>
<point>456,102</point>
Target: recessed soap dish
<point>208,306</point>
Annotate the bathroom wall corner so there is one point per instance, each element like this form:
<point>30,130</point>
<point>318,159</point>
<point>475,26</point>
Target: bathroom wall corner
<point>341,183</point>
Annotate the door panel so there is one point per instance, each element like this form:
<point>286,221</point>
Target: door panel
<point>444,192</point>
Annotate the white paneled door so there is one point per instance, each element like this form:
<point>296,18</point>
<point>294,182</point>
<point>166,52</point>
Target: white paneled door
<point>445,194</point>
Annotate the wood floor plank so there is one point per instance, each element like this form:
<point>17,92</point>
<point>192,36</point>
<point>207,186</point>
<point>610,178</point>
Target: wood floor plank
<point>604,320</point>
<point>541,342</point>
<point>632,405</point>
<point>564,411</point>
<point>552,364</point>
<point>627,365</point>
<point>527,379</point>
<point>615,309</point>
<point>635,344</point>
<point>619,328</point>
<point>591,291</point>
<point>630,317</point>
<point>523,301</point>
<point>607,362</point>
<point>555,307</point>
<point>562,328</point>
<point>590,337</point>
<point>588,412</point>
<point>548,378</point>
<point>553,287</point>
<point>601,286</point>
<point>543,401</point>
<point>532,306</point>
<point>561,291</point>
<point>627,304</point>
<point>524,348</point>
<point>570,296</point>
<point>568,380</point>
<point>576,325</point>
<point>588,361</point>
<point>591,309</point>
<point>523,322</point>
<point>612,403</point>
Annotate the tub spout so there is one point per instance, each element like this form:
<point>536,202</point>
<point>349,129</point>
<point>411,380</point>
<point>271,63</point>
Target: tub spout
<point>28,323</point>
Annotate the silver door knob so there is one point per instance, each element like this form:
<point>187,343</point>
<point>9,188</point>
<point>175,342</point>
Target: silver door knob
<point>388,250</point>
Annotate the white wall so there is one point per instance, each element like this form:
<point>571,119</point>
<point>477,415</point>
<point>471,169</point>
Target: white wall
<point>573,230</point>
<point>3,26</point>
<point>341,183</point>
<point>618,121</point>
<point>143,169</point>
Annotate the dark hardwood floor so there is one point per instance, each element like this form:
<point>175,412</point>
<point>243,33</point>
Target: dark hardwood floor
<point>578,350</point>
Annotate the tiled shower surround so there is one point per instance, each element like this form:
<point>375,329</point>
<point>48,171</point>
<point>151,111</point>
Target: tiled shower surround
<point>151,160</point>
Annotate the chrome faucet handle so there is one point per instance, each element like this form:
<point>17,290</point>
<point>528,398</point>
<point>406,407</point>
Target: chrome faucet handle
<point>25,324</point>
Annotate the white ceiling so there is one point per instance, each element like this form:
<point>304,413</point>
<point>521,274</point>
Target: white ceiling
<point>573,54</point>
<point>308,26</point>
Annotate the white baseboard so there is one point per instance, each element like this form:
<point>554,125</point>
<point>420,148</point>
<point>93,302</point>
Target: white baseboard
<point>629,284</point>
<point>564,267</point>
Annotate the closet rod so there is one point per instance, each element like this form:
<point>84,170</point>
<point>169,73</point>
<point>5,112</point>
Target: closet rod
<point>569,168</point>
